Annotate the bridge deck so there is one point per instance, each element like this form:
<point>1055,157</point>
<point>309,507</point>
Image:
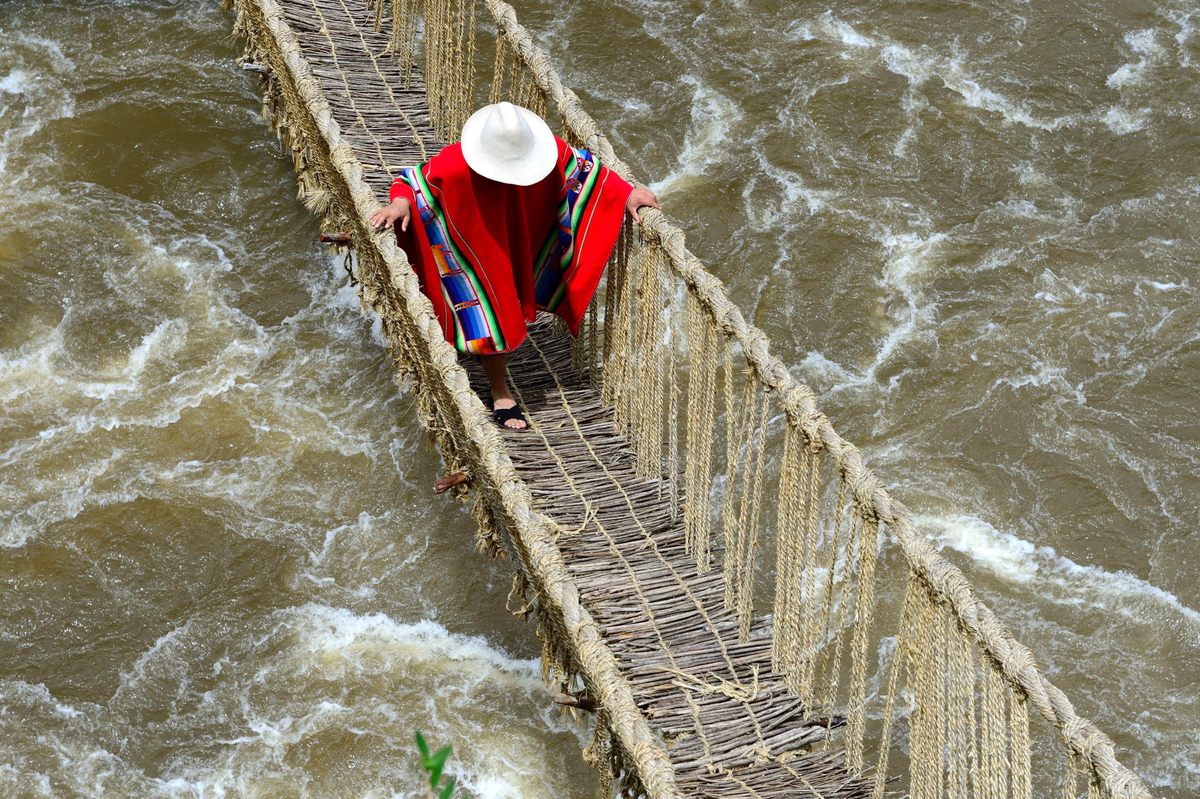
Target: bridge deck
<point>729,725</point>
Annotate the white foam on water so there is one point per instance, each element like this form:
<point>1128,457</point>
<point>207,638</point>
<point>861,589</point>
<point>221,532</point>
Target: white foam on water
<point>788,198</point>
<point>345,297</point>
<point>14,82</point>
<point>281,713</point>
<point>65,497</point>
<point>149,387</point>
<point>1129,79</point>
<point>1149,52</point>
<point>819,368</point>
<point>39,694</point>
<point>913,104</point>
<point>920,67</point>
<point>1123,121</point>
<point>1063,290</point>
<point>338,636</point>
<point>1000,257</point>
<point>1163,286</point>
<point>165,340</point>
<point>58,61</point>
<point>31,364</point>
<point>37,69</point>
<point>1184,20</point>
<point>706,142</point>
<point>353,650</point>
<point>497,775</point>
<point>1060,579</point>
<point>800,31</point>
<point>1042,375</point>
<point>908,260</point>
<point>43,379</point>
<point>162,648</point>
<point>211,349</point>
<point>47,750</point>
<point>831,27</point>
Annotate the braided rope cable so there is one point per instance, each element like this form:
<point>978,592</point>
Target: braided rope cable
<point>944,580</point>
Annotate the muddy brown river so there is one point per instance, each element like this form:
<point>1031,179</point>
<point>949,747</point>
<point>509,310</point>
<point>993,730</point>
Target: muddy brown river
<point>970,226</point>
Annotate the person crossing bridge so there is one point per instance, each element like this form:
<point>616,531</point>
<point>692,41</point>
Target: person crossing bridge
<point>512,221</point>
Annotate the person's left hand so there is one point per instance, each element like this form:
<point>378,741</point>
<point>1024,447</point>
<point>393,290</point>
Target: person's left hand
<point>638,198</point>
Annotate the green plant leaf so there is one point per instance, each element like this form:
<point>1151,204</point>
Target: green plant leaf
<point>436,764</point>
<point>447,790</point>
<point>422,746</point>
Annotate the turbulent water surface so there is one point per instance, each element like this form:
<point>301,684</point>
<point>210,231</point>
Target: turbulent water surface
<point>969,225</point>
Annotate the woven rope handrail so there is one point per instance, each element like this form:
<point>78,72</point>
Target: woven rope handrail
<point>943,579</point>
<point>492,463</point>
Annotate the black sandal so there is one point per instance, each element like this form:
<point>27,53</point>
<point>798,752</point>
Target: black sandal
<point>502,415</point>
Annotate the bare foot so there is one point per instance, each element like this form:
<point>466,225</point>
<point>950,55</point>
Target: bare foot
<point>505,404</point>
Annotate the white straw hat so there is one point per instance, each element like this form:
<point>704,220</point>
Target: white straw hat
<point>508,143</point>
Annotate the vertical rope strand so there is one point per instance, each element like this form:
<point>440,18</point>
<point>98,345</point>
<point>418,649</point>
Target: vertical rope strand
<point>940,703</point>
<point>1019,763</point>
<point>826,612</point>
<point>629,384</point>
<point>864,614</point>
<point>701,410</point>
<point>402,41</point>
<point>620,366</point>
<point>499,70</point>
<point>921,743</point>
<point>467,85</point>
<point>593,341</point>
<point>961,675</point>
<point>673,421</point>
<point>578,347</point>
<point>1070,788</point>
<point>454,70</point>
<point>899,659</point>
<point>649,422</point>
<point>432,74</point>
<point>616,326</point>
<point>706,423</point>
<point>406,43</point>
<point>731,451</point>
<point>641,337</point>
<point>739,430</point>
<point>849,567</point>
<point>748,526</point>
<point>610,309</point>
<point>974,720</point>
<point>789,554</point>
<point>996,738</point>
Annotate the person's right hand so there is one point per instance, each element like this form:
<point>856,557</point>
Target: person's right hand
<point>400,210</point>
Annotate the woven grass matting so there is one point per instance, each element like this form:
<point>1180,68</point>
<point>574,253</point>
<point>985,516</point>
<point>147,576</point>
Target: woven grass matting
<point>729,725</point>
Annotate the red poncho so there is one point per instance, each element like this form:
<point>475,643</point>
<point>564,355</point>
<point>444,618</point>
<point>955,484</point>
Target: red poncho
<point>489,255</point>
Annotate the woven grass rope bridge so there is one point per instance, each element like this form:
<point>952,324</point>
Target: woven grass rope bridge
<point>809,646</point>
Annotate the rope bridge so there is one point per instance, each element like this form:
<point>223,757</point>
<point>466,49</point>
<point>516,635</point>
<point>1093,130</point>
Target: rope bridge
<point>809,645</point>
